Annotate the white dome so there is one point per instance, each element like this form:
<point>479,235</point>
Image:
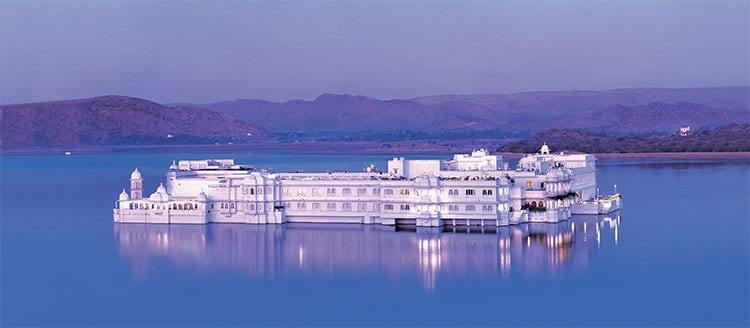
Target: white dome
<point>545,149</point>
<point>174,166</point>
<point>160,195</point>
<point>124,195</point>
<point>136,175</point>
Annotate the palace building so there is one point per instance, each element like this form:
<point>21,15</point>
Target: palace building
<point>476,189</point>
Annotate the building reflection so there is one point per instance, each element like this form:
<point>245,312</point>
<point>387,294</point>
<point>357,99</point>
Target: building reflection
<point>319,251</point>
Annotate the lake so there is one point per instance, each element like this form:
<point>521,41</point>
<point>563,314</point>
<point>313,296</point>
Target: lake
<point>677,254</point>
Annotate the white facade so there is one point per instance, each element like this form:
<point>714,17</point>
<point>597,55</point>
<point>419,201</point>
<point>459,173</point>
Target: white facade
<point>474,189</point>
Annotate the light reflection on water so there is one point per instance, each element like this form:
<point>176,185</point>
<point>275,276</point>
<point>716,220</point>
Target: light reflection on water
<point>325,250</point>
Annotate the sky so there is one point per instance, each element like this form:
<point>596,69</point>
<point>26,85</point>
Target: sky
<point>200,52</point>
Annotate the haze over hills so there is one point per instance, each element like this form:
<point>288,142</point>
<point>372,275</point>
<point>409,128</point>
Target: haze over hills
<point>622,111</point>
<point>113,120</point>
<point>121,120</point>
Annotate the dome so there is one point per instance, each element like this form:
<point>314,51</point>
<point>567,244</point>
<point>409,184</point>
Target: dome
<point>202,197</point>
<point>173,167</point>
<point>161,188</point>
<point>136,175</point>
<point>160,195</point>
<point>544,150</point>
<point>124,195</point>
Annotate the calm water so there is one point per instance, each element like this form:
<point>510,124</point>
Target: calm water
<point>676,255</point>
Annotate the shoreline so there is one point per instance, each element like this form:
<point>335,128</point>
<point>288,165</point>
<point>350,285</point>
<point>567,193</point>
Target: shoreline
<point>352,148</point>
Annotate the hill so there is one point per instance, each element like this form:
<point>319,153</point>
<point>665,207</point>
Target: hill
<point>729,138</point>
<point>114,120</point>
<point>625,111</point>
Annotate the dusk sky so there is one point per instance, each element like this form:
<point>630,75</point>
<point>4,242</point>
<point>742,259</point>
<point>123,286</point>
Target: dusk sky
<point>212,51</point>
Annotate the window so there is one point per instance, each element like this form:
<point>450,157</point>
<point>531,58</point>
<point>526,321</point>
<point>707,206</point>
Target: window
<point>316,192</point>
<point>331,191</point>
<point>469,192</point>
<point>453,192</point>
<point>252,191</point>
<point>251,207</point>
<point>453,208</point>
<point>346,207</point>
<point>346,191</point>
<point>331,206</point>
<point>541,185</point>
<point>528,185</point>
<point>388,192</point>
<point>470,208</point>
<point>316,206</point>
<point>404,207</point>
<point>375,192</point>
<point>487,208</point>
<point>388,207</point>
<point>404,191</point>
<point>301,206</point>
<point>361,207</point>
<point>361,192</point>
<point>487,192</point>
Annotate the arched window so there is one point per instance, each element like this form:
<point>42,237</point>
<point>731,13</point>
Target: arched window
<point>251,207</point>
<point>470,208</point>
<point>131,206</point>
<point>252,191</point>
<point>179,206</point>
<point>533,204</point>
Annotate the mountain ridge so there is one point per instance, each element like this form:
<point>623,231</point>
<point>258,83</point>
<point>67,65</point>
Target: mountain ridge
<point>121,120</point>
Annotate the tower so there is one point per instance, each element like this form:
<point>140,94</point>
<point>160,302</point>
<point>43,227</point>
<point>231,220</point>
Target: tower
<point>136,185</point>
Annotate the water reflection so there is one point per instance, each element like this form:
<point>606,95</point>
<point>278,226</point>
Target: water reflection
<point>275,251</point>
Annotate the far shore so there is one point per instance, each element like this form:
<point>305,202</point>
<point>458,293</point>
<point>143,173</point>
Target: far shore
<point>354,148</point>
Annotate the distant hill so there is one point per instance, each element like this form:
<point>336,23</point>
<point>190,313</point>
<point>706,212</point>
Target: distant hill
<point>626,111</point>
<point>114,120</point>
<point>729,138</point>
<point>121,120</point>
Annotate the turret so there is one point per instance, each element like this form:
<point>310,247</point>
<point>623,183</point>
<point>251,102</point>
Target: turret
<point>123,196</point>
<point>136,185</point>
<point>544,150</point>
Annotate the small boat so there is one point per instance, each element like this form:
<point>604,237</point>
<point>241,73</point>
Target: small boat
<point>599,205</point>
<point>67,153</point>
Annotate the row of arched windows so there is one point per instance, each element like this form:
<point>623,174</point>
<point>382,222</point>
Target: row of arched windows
<point>171,206</point>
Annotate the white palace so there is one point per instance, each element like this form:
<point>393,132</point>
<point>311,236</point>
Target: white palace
<point>471,189</point>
